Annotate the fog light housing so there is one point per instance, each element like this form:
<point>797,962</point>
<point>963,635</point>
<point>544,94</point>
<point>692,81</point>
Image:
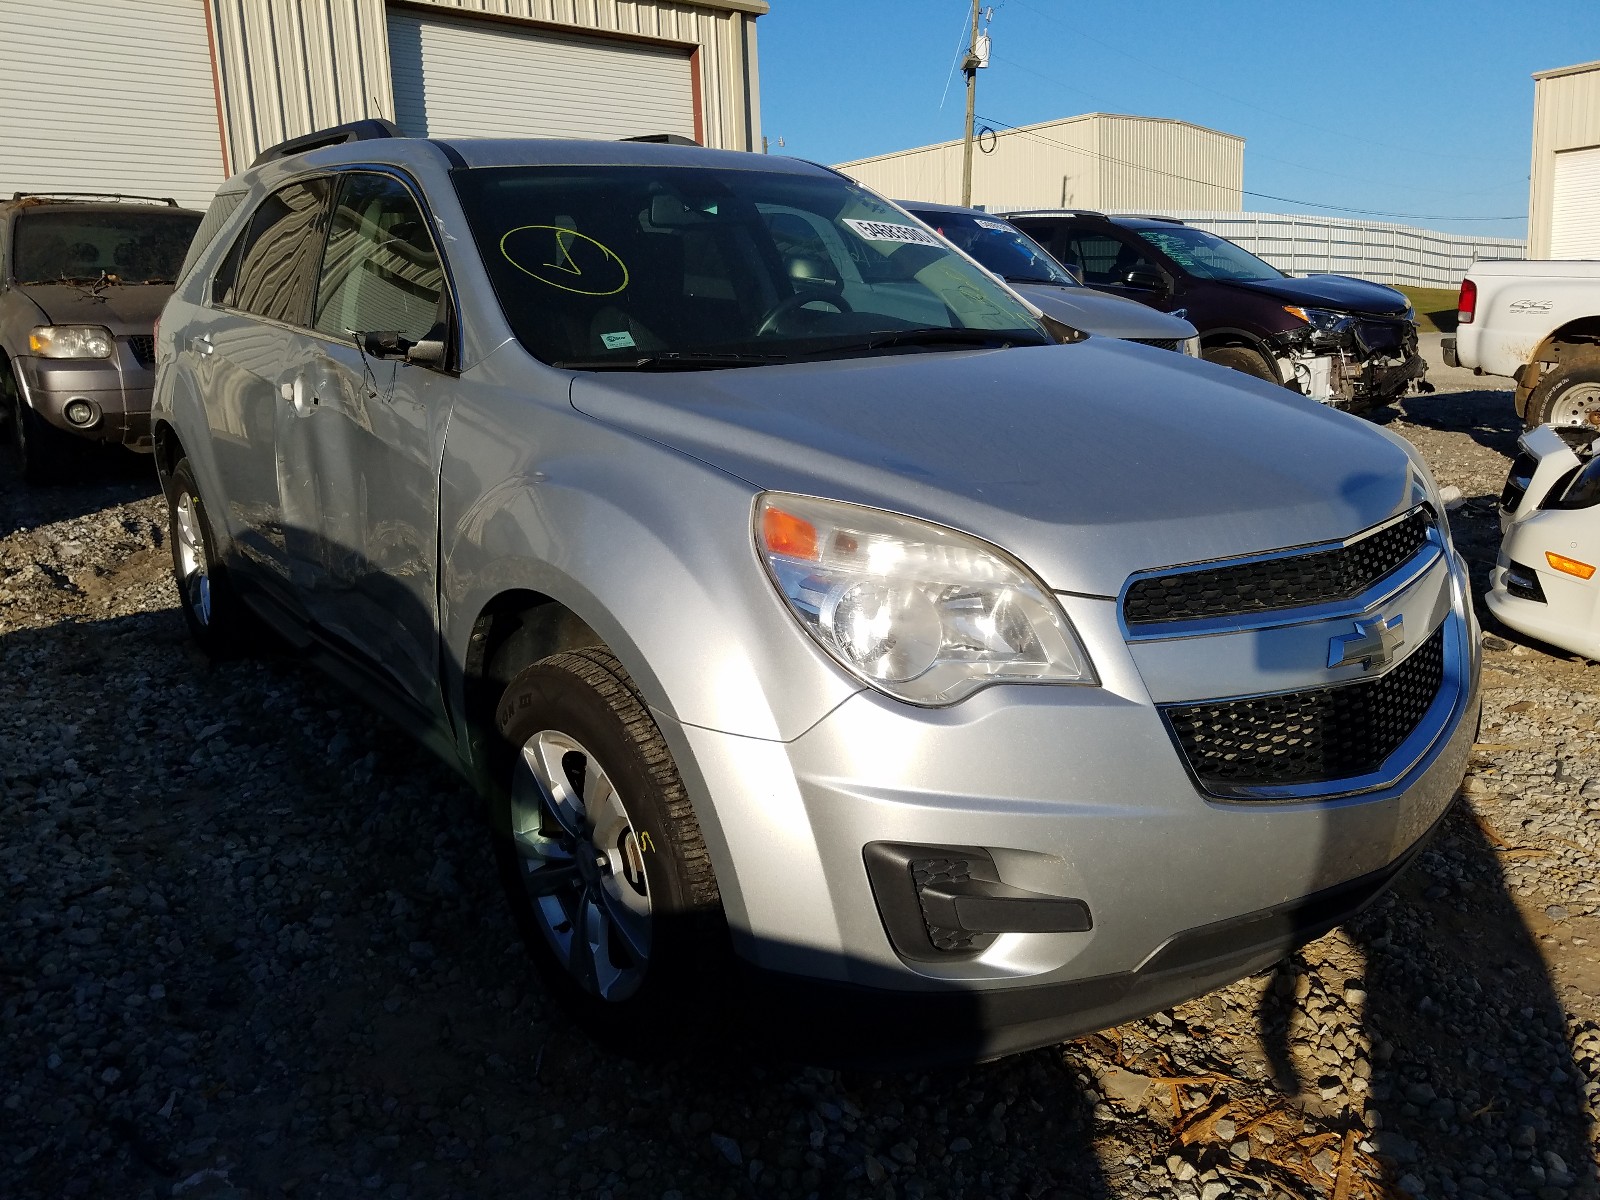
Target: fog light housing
<point>81,412</point>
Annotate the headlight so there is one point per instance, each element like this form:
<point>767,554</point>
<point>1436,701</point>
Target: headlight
<point>1322,319</point>
<point>918,611</point>
<point>72,341</point>
<point>1191,346</point>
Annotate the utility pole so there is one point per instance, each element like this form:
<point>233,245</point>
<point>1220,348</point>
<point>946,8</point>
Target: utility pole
<point>970,69</point>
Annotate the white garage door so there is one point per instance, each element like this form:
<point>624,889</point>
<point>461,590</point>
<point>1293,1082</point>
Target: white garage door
<point>108,96</point>
<point>455,78</point>
<point>1575,205</point>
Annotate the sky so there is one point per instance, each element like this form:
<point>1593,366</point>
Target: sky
<point>1418,108</point>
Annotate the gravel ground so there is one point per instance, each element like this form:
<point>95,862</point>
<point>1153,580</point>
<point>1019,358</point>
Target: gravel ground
<point>251,949</point>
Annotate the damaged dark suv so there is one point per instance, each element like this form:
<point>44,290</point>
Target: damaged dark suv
<point>1346,342</point>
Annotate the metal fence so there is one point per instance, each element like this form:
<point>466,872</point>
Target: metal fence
<point>1376,250</point>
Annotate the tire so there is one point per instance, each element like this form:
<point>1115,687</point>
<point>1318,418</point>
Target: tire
<point>1241,358</point>
<point>218,620</point>
<point>41,448</point>
<point>1569,395</point>
<point>633,871</point>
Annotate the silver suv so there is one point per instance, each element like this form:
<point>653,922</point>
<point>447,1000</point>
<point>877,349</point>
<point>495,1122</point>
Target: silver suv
<point>826,620</point>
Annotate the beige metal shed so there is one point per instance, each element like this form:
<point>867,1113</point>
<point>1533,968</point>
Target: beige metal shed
<point>1564,190</point>
<point>1106,161</point>
<point>168,97</point>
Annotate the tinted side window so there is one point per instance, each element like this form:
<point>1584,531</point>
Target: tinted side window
<point>1103,259</point>
<point>380,271</point>
<point>223,206</point>
<point>272,269</point>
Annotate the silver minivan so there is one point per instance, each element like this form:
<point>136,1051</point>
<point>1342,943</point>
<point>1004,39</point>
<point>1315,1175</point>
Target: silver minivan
<point>827,636</point>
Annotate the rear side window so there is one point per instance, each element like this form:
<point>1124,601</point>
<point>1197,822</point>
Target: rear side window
<point>272,269</point>
<point>223,206</point>
<point>1103,259</point>
<point>380,271</point>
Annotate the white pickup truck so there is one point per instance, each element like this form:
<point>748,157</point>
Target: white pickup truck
<point>1537,322</point>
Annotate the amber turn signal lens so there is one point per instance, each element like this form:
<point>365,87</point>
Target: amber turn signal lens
<point>1569,566</point>
<point>786,534</point>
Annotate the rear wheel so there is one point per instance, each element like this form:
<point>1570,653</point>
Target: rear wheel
<point>1241,358</point>
<point>217,618</point>
<point>600,852</point>
<point>1569,395</point>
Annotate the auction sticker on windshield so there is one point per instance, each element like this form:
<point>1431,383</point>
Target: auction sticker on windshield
<point>885,231</point>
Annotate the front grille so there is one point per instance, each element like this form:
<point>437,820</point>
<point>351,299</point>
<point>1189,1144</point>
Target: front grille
<point>1158,343</point>
<point>1317,577</point>
<point>1517,481</point>
<point>144,349</point>
<point>1312,736</point>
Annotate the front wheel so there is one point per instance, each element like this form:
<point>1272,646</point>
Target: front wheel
<point>600,852</point>
<point>1241,358</point>
<point>41,448</point>
<point>216,617</point>
<point>1569,395</point>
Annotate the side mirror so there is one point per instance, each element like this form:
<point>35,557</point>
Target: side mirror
<point>427,353</point>
<point>1075,272</point>
<point>389,343</point>
<point>1145,280</point>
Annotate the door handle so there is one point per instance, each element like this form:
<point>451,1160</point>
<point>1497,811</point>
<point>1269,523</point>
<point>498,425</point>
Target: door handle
<point>201,344</point>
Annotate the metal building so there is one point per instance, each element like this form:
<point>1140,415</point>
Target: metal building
<point>168,97</point>
<point>1103,161</point>
<point>1564,194</point>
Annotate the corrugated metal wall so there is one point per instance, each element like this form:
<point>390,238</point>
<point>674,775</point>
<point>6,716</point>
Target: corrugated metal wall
<point>1100,160</point>
<point>291,66</point>
<point>1566,116</point>
<point>1375,250</point>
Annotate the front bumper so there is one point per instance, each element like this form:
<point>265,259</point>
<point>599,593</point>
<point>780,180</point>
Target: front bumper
<point>1071,793</point>
<point>1367,363</point>
<point>1525,591</point>
<point>119,388</point>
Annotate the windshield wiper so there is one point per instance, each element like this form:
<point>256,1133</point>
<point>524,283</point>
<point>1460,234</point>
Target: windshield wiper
<point>1036,279</point>
<point>945,337</point>
<point>674,361</point>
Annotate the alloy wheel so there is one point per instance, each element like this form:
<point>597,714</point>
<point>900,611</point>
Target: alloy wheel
<point>582,865</point>
<point>193,570</point>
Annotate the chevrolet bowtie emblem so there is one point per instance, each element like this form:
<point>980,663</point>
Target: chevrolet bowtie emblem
<point>1373,644</point>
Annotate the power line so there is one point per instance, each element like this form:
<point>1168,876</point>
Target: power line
<point>1365,212</point>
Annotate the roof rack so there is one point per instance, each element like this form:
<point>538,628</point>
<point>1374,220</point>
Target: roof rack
<point>167,200</point>
<point>665,139</point>
<point>1150,217</point>
<point>366,130</point>
<point>1052,212</point>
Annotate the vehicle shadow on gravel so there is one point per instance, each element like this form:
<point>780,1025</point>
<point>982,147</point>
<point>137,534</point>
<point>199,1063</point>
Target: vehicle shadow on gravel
<point>1488,418</point>
<point>102,476</point>
<point>270,946</point>
<point>1473,1079</point>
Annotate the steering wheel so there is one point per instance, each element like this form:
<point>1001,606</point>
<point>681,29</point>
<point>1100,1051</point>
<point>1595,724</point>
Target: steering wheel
<point>789,304</point>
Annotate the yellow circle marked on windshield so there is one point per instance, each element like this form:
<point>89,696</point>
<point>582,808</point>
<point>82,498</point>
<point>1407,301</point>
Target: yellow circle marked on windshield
<point>567,259</point>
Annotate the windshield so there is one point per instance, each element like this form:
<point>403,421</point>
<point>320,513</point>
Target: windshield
<point>639,265</point>
<point>52,244</point>
<point>1002,247</point>
<point>1207,256</point>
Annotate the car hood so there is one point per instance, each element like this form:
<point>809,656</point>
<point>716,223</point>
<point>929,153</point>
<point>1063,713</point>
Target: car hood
<point>1097,312</point>
<point>124,308</point>
<point>1088,461</point>
<point>1331,291</point>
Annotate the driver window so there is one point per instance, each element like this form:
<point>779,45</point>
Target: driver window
<point>380,271</point>
<point>1106,260</point>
